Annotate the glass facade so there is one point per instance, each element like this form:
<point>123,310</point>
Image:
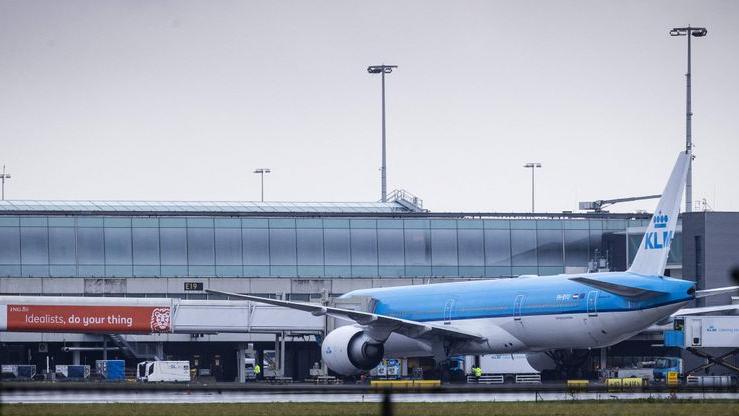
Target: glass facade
<point>202,246</point>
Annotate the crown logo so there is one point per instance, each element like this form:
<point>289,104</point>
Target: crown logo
<point>660,221</point>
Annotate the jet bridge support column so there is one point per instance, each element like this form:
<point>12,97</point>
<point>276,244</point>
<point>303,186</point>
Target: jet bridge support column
<point>282,354</point>
<point>241,363</point>
<point>76,354</point>
<point>277,354</point>
<point>160,351</point>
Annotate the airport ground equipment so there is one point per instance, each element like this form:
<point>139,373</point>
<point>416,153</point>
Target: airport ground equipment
<point>18,371</point>
<point>622,383</point>
<point>497,368</point>
<point>405,384</point>
<point>663,366</point>
<point>700,334</point>
<point>710,381</point>
<point>387,369</point>
<point>163,371</point>
<point>486,379</point>
<point>72,372</point>
<point>577,384</point>
<point>111,370</point>
<point>646,373</point>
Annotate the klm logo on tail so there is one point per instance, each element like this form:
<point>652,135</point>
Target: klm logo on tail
<point>651,258</point>
<point>657,240</point>
<point>660,221</point>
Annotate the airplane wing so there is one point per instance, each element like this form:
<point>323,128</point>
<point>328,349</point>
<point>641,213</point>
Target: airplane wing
<point>716,291</point>
<point>379,326</point>
<point>705,309</point>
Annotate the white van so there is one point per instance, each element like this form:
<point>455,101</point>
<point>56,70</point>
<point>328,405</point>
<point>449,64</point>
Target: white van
<point>172,371</point>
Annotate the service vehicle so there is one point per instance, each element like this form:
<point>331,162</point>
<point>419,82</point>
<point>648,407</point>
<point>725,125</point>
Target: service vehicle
<point>163,371</point>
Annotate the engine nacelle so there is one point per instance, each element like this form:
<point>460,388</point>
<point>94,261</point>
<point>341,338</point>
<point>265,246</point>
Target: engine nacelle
<point>348,350</point>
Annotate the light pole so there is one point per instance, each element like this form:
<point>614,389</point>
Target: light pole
<point>382,69</point>
<point>532,166</point>
<point>4,176</point>
<point>689,32</point>
<point>262,171</point>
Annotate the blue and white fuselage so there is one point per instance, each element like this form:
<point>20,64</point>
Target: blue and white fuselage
<point>534,313</point>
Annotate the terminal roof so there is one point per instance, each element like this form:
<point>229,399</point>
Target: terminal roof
<point>202,206</point>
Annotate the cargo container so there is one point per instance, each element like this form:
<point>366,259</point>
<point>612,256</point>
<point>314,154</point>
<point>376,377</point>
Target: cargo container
<point>111,370</point>
<point>76,372</point>
<point>19,371</point>
<point>712,331</point>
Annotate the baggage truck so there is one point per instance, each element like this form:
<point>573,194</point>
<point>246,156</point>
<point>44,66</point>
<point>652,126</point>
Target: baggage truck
<point>168,371</point>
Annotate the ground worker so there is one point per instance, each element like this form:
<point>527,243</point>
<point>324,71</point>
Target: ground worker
<point>257,370</point>
<point>477,372</point>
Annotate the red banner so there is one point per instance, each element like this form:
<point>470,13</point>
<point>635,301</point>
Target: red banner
<point>74,318</point>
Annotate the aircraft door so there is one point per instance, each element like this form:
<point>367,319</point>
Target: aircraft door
<point>517,306</point>
<point>593,303</point>
<point>448,307</point>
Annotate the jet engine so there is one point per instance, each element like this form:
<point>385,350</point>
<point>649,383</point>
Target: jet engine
<point>348,350</point>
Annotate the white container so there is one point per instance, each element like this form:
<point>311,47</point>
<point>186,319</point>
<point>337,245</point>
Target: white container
<point>163,371</point>
<point>712,331</point>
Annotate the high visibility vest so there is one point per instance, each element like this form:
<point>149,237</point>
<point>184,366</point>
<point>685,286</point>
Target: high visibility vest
<point>477,371</point>
<point>257,369</point>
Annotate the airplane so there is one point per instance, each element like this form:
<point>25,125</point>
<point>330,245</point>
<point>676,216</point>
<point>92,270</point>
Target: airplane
<point>528,314</point>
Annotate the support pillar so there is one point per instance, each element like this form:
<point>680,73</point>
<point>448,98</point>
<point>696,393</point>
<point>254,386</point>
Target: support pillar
<point>277,354</point>
<point>105,347</point>
<point>76,354</point>
<point>160,350</point>
<point>241,363</point>
<point>282,354</point>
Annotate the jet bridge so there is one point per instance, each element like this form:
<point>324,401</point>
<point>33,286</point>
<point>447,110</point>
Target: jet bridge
<point>701,335</point>
<point>149,316</point>
<point>133,325</point>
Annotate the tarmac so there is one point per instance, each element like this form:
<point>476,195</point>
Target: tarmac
<point>70,392</point>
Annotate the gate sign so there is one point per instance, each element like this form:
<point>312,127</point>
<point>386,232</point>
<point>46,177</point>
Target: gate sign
<point>83,318</point>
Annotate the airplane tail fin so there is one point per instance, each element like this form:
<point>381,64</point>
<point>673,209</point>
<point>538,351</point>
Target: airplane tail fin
<point>651,257</point>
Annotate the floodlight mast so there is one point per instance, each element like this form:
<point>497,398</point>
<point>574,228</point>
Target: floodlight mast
<point>382,69</point>
<point>262,171</point>
<point>689,32</point>
<point>4,176</point>
<point>532,166</point>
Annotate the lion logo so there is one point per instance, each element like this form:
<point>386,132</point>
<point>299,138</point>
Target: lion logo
<point>160,320</point>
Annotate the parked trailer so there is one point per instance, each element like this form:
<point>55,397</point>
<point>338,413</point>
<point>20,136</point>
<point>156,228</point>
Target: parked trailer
<point>169,371</point>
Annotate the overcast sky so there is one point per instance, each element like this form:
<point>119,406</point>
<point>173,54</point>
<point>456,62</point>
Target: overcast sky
<point>181,100</point>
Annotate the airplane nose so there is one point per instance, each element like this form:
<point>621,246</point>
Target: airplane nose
<point>691,291</point>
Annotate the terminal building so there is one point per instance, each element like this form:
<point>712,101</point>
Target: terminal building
<point>305,252</point>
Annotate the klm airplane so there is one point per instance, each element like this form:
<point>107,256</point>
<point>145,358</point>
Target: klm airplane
<point>524,315</point>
